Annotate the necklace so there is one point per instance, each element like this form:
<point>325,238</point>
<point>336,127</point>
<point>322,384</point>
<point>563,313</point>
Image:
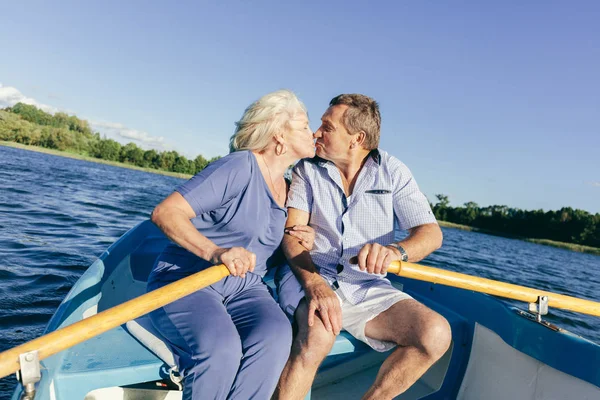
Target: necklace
<point>270,177</point>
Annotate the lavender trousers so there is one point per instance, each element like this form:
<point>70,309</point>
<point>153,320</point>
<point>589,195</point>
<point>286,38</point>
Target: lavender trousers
<point>230,340</point>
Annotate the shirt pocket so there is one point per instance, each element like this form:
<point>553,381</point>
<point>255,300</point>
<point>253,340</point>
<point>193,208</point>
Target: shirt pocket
<point>378,203</point>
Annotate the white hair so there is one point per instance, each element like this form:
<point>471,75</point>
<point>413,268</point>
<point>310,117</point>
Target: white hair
<point>265,118</point>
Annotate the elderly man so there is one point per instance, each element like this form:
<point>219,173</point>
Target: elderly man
<point>352,194</point>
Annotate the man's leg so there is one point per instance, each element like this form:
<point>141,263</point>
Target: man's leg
<point>310,347</point>
<point>422,336</point>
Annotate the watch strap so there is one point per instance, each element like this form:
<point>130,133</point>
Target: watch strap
<point>403,254</point>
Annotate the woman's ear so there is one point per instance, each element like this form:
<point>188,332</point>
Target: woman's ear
<point>280,147</point>
<point>278,138</point>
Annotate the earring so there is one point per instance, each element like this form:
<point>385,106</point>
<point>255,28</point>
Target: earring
<point>280,149</point>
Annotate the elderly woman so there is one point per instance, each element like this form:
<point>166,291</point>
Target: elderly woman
<point>231,339</point>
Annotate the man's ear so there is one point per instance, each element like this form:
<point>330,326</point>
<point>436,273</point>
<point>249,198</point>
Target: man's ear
<point>360,138</point>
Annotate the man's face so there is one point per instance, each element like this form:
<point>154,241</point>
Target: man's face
<point>333,140</point>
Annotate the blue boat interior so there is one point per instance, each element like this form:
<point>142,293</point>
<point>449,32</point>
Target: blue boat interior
<point>117,358</point>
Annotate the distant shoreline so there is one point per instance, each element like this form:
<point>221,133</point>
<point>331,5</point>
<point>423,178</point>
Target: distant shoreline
<point>562,245</point>
<point>75,156</point>
<point>546,242</point>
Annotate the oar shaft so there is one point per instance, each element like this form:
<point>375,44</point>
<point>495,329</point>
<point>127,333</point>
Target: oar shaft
<point>501,289</point>
<point>83,330</point>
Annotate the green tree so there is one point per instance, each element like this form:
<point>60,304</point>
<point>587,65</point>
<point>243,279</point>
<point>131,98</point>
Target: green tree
<point>440,209</point>
<point>132,154</point>
<point>200,163</point>
<point>151,159</point>
<point>108,149</point>
<point>167,160</point>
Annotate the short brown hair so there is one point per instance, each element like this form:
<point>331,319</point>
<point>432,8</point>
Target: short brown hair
<point>362,115</point>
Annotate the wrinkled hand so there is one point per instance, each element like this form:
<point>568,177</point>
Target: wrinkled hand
<point>375,258</point>
<point>238,260</point>
<point>322,299</point>
<point>304,233</point>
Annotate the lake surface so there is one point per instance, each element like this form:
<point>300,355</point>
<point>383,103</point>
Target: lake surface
<point>58,214</point>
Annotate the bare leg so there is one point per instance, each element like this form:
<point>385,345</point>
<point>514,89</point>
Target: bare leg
<point>422,336</point>
<point>310,347</point>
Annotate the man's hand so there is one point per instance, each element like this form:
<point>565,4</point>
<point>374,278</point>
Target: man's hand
<point>238,260</point>
<point>304,233</point>
<point>375,258</point>
<point>320,297</point>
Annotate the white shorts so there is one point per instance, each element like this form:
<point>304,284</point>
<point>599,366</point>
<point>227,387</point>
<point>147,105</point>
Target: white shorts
<point>355,317</point>
<point>378,299</point>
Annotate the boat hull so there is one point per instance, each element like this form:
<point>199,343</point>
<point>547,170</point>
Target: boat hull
<point>495,351</point>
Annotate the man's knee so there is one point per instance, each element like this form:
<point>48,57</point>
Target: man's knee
<point>312,343</point>
<point>436,337</point>
<point>313,346</point>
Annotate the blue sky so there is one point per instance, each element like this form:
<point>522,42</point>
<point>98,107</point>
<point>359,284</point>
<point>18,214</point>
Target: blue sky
<point>492,102</point>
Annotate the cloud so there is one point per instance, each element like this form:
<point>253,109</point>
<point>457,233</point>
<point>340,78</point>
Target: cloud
<point>9,96</point>
<point>116,129</point>
<point>596,184</point>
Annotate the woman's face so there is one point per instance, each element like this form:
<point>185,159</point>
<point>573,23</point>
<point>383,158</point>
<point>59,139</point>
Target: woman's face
<point>299,139</point>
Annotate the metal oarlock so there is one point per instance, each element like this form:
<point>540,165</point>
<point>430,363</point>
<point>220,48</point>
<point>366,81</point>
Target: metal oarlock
<point>29,374</point>
<point>539,308</point>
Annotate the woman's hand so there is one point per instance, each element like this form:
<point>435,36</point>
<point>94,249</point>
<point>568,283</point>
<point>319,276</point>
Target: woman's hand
<point>304,233</point>
<point>238,260</point>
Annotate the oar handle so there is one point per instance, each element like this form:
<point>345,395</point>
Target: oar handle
<point>85,329</point>
<point>489,286</point>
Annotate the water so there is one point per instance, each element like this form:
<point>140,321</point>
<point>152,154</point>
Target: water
<point>58,214</point>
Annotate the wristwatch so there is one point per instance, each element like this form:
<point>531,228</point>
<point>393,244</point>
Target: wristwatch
<point>403,253</point>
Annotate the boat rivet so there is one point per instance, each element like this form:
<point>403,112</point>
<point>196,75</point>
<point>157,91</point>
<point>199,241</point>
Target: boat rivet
<point>29,357</point>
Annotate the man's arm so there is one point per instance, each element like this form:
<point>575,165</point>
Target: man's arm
<point>421,241</point>
<point>319,296</point>
<point>298,256</point>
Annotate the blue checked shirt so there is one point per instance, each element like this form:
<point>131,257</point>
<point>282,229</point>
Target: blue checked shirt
<point>385,196</point>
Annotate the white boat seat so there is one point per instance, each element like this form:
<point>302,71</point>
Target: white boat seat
<point>143,330</point>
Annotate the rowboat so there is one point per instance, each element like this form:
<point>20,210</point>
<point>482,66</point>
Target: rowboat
<point>497,352</point>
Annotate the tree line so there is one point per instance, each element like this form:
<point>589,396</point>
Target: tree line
<point>27,124</point>
<point>565,225</point>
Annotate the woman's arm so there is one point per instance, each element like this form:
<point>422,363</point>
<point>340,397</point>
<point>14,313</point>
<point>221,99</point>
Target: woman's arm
<point>173,216</point>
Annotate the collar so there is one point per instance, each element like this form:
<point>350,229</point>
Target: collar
<point>374,154</point>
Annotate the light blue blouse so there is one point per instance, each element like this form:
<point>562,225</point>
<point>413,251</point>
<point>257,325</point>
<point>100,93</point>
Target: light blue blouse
<point>234,208</point>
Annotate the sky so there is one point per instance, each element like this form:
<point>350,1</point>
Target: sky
<point>491,102</point>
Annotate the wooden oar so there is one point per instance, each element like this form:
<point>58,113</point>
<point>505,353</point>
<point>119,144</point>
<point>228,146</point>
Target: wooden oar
<point>80,331</point>
<point>501,289</point>
<point>83,330</point>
